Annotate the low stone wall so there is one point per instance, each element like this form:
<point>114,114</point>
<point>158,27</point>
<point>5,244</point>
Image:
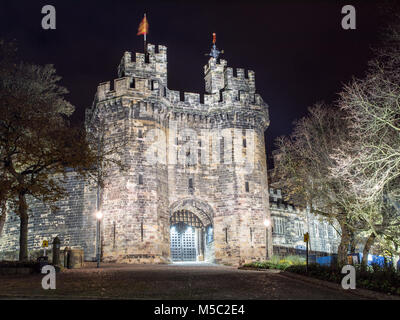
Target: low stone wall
<point>16,267</point>
<point>76,257</point>
<point>9,256</point>
<point>16,270</point>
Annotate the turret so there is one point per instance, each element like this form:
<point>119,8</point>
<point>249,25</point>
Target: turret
<point>214,75</point>
<point>228,85</point>
<point>152,65</point>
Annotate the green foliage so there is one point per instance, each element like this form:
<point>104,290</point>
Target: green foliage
<point>374,277</point>
<point>277,262</point>
<point>384,279</point>
<point>295,260</point>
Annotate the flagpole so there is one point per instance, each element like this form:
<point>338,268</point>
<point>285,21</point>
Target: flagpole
<point>145,40</point>
<point>142,30</point>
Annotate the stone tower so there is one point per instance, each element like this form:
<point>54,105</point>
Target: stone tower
<point>195,184</point>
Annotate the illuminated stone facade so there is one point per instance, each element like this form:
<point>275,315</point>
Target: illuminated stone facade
<point>289,223</point>
<point>190,159</point>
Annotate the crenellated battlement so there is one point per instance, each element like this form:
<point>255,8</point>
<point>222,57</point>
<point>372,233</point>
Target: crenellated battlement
<point>151,66</point>
<point>139,87</point>
<point>244,81</point>
<point>227,89</point>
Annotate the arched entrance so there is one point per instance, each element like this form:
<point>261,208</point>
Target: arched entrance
<point>191,232</point>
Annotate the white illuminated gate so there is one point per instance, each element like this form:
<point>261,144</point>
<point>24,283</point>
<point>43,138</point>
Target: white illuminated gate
<point>183,242</point>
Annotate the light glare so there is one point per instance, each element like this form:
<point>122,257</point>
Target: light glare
<point>99,215</point>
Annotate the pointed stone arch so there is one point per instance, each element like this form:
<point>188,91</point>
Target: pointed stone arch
<point>200,208</point>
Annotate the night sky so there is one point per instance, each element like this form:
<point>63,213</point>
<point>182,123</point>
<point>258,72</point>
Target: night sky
<point>298,49</point>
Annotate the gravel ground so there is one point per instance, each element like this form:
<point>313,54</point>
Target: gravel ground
<point>176,281</point>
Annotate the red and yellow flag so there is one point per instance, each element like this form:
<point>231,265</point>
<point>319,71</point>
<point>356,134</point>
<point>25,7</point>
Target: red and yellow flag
<point>143,27</point>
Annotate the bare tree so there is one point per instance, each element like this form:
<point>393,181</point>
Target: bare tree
<point>109,154</point>
<point>372,105</point>
<point>303,169</point>
<point>37,143</point>
<point>369,162</point>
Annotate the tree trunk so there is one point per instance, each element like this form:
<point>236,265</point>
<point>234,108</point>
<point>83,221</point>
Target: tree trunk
<point>3,217</point>
<point>395,261</point>
<point>352,242</point>
<point>370,241</point>
<point>23,232</point>
<point>344,244</point>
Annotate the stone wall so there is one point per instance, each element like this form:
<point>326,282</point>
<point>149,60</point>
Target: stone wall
<point>73,222</point>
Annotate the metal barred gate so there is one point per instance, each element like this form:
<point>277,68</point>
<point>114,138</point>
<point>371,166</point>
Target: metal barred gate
<point>183,242</point>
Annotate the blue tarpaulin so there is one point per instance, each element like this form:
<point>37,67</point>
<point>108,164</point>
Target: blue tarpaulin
<point>379,260</point>
<point>327,261</point>
<point>355,258</point>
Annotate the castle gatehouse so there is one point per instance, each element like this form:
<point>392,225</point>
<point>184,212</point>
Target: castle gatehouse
<point>194,184</point>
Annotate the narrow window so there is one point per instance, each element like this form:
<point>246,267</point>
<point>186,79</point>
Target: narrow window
<point>165,92</point>
<point>140,134</point>
<point>113,234</point>
<point>190,183</point>
<point>247,186</point>
<point>154,85</point>
<point>132,84</point>
<point>222,150</point>
<point>140,179</point>
<point>141,231</point>
<point>244,143</point>
<point>251,235</point>
<point>188,162</point>
<point>226,235</point>
<point>210,236</point>
<point>199,151</point>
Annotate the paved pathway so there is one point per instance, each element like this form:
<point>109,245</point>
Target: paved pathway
<point>177,281</point>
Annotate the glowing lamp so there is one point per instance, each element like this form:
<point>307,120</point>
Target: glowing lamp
<point>99,215</point>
